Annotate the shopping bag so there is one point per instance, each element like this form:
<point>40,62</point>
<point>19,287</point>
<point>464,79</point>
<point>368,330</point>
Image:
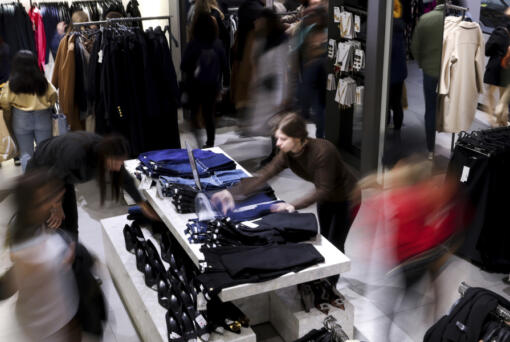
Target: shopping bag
<point>59,122</point>
<point>8,149</point>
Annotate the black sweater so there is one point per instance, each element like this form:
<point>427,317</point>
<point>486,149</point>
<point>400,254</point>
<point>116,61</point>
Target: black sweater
<point>73,158</point>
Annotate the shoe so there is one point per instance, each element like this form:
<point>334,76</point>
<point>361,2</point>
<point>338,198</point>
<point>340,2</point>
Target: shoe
<point>129,240</point>
<point>163,292</point>
<point>173,329</point>
<point>307,296</point>
<point>154,258</point>
<point>174,304</point>
<point>166,245</point>
<point>149,274</point>
<point>336,299</point>
<point>188,328</point>
<point>234,313</point>
<point>321,297</point>
<point>141,258</point>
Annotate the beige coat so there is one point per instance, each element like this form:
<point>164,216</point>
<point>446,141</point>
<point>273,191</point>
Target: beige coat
<point>461,79</point>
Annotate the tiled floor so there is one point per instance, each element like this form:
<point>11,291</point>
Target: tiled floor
<point>372,296</point>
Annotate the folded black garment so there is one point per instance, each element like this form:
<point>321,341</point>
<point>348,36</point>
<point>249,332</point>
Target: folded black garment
<point>229,266</point>
<point>285,227</point>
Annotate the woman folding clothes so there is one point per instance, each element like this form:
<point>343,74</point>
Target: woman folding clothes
<point>317,161</point>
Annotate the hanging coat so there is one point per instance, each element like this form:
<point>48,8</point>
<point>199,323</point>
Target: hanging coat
<point>461,79</point>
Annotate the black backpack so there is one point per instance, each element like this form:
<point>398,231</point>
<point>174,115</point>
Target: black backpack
<point>208,69</point>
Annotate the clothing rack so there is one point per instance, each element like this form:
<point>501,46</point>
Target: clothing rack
<point>502,312</point>
<point>121,20</point>
<point>288,13</point>
<point>448,5</point>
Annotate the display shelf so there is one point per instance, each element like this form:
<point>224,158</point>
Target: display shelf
<point>140,301</point>
<point>335,261</point>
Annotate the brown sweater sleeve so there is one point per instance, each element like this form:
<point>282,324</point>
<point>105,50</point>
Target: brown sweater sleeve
<point>249,185</point>
<point>324,179</point>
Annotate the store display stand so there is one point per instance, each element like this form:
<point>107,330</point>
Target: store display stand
<point>275,301</point>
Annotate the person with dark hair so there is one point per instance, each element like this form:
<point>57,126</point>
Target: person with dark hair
<point>31,97</point>
<point>78,157</point>
<point>48,300</point>
<point>204,62</point>
<point>317,161</point>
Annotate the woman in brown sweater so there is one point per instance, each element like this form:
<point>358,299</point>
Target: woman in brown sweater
<point>317,161</point>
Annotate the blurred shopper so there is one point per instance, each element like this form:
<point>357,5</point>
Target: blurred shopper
<point>212,8</point>
<point>497,75</point>
<point>398,66</point>
<point>47,303</point>
<point>31,98</point>
<point>268,85</point>
<point>419,220</point>
<point>78,157</point>
<point>317,161</point>
<point>315,77</point>
<point>242,56</point>
<point>204,63</point>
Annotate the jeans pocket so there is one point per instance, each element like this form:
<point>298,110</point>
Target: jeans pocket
<point>22,121</point>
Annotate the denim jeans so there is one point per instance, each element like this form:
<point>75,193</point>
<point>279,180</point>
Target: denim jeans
<point>430,91</point>
<point>27,127</point>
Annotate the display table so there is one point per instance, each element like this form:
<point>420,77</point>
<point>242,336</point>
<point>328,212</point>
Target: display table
<point>258,300</point>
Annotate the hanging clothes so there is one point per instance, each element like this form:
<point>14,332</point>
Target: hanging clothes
<point>132,85</point>
<point>461,80</point>
<point>64,79</point>
<point>16,28</point>
<point>39,35</point>
<point>52,14</point>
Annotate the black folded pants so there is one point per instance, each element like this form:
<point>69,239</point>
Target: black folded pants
<point>229,266</point>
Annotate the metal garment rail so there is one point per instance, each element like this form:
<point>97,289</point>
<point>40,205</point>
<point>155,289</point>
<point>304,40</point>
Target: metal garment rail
<point>503,313</point>
<point>128,19</point>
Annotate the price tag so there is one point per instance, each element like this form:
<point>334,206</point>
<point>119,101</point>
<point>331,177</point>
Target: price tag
<point>465,174</point>
<point>201,321</point>
<point>100,58</point>
<point>201,302</point>
<point>146,183</point>
<point>357,24</point>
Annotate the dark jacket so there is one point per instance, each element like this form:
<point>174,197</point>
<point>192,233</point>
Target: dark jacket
<point>496,48</point>
<point>466,318</point>
<point>398,53</point>
<point>191,57</point>
<point>73,157</point>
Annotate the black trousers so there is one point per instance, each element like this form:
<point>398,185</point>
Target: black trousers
<point>206,101</point>
<point>70,223</point>
<point>335,221</point>
<point>396,104</point>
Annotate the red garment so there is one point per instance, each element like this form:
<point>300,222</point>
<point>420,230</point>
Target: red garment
<point>39,35</point>
<point>409,221</point>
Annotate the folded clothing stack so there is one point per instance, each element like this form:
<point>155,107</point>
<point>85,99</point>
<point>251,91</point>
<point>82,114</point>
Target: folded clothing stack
<point>175,162</point>
<point>182,196</point>
<point>230,266</point>
<point>273,228</point>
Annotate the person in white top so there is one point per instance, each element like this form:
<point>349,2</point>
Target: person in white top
<point>47,293</point>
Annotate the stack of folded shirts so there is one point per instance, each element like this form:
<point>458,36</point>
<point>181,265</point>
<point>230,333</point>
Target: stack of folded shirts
<point>175,162</point>
<point>182,196</point>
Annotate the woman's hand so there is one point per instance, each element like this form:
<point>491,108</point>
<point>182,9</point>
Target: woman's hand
<point>148,211</point>
<point>282,207</point>
<point>56,217</point>
<point>225,199</point>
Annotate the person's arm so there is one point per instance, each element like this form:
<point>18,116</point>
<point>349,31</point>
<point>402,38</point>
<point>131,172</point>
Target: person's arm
<point>52,94</point>
<point>128,184</point>
<point>249,185</point>
<point>324,181</point>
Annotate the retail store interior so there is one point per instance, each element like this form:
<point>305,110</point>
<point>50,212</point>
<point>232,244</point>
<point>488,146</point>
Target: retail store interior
<point>426,240</point>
